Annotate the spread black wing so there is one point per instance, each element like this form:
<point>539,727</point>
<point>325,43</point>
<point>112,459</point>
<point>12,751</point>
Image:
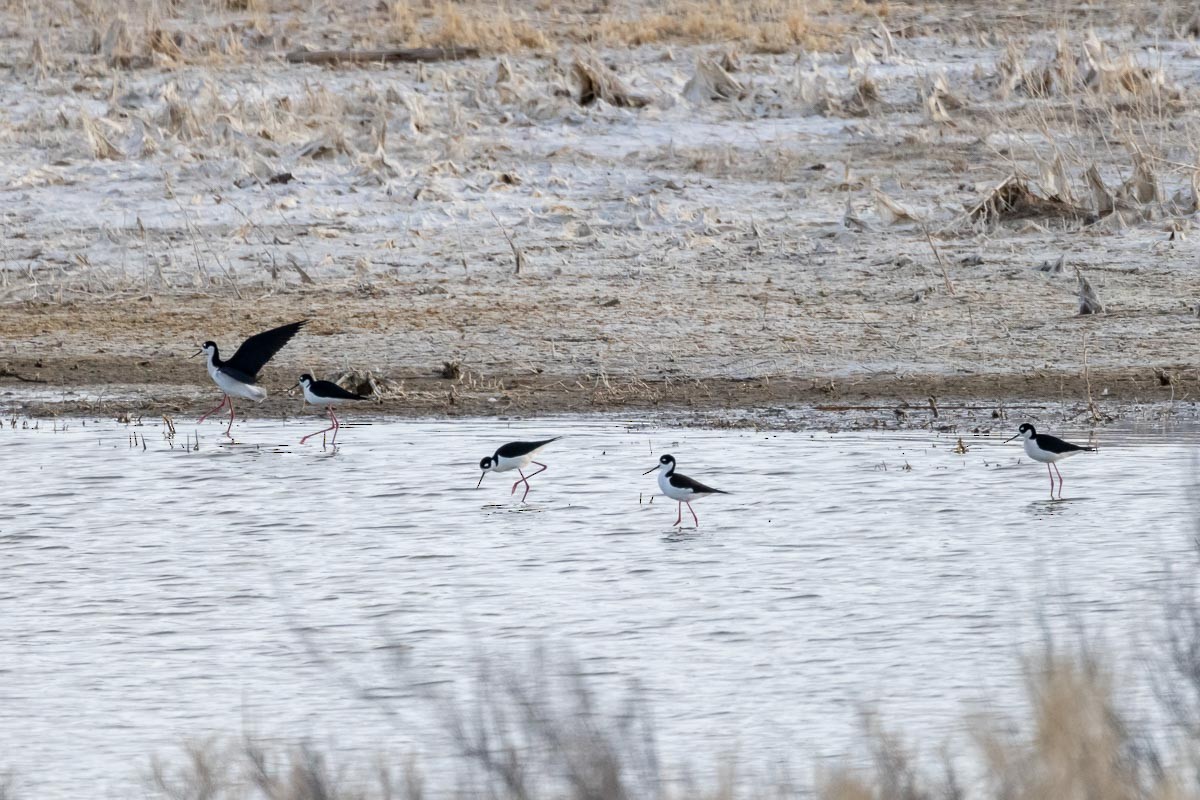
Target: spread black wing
<point>331,389</point>
<point>1053,444</point>
<point>684,482</point>
<point>518,449</point>
<point>258,349</point>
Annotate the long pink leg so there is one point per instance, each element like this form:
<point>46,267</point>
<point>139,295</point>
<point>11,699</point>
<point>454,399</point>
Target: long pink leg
<point>224,398</point>
<point>323,430</point>
<point>1060,481</point>
<point>697,519</point>
<point>1051,474</point>
<point>679,517</point>
<point>336,426</point>
<point>524,480</point>
<point>229,427</point>
<point>543,469</point>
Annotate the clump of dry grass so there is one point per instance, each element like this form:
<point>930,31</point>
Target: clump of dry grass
<point>1089,70</point>
<point>540,731</point>
<point>770,26</point>
<point>500,31</point>
<point>1014,200</point>
<point>215,772</point>
<point>598,82</point>
<point>1075,744</point>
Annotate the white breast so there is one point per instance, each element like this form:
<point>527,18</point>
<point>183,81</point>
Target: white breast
<point>1044,456</point>
<point>504,463</point>
<point>236,388</point>
<point>673,492</point>
<point>317,400</point>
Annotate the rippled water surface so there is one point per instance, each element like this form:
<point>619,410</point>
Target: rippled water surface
<point>156,595</point>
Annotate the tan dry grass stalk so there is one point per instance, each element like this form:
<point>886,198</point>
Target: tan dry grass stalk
<point>98,140</point>
<point>1076,747</point>
<point>771,26</point>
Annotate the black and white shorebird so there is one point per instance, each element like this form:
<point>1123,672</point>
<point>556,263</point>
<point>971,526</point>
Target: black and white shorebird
<point>238,376</point>
<point>518,456</point>
<point>1048,449</point>
<point>681,488</point>
<point>328,394</point>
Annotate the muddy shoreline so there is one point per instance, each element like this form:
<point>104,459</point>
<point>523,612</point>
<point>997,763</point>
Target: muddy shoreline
<point>131,357</point>
<point>85,385</point>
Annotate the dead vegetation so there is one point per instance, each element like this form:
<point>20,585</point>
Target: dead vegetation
<point>711,82</point>
<point>773,162</point>
<point>598,82</point>
<point>1074,744</point>
<point>145,34</point>
<point>541,731</point>
<point>1013,200</point>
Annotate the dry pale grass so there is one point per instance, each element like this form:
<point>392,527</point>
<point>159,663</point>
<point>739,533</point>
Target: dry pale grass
<point>771,26</point>
<point>537,733</point>
<point>500,30</point>
<point>143,33</point>
<point>1075,745</point>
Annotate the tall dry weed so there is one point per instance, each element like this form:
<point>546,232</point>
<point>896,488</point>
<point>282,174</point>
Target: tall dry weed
<point>1074,745</point>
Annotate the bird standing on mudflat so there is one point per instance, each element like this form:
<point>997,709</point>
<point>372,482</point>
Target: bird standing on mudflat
<point>681,488</point>
<point>328,394</point>
<point>238,376</point>
<point>1048,449</point>
<point>515,455</point>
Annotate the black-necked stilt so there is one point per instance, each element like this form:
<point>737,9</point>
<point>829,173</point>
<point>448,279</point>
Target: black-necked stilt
<point>238,376</point>
<point>515,455</point>
<point>681,488</point>
<point>1047,449</point>
<point>328,394</point>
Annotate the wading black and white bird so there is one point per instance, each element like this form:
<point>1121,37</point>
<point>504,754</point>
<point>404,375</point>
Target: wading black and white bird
<point>238,376</point>
<point>518,456</point>
<point>681,488</point>
<point>328,394</point>
<point>1048,449</point>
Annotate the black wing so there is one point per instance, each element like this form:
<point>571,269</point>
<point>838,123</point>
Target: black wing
<point>258,349</point>
<point>1053,444</point>
<point>518,449</point>
<point>684,482</point>
<point>331,389</point>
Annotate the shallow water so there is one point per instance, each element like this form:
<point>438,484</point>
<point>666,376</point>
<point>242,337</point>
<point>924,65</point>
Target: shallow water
<point>152,596</point>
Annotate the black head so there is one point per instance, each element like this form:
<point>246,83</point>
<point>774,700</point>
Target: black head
<point>1026,431</point>
<point>306,378</point>
<point>666,462</point>
<point>207,347</point>
<point>485,465</point>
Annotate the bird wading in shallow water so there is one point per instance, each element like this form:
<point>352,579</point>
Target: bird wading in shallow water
<point>238,376</point>
<point>1048,449</point>
<point>518,456</point>
<point>681,488</point>
<point>328,394</point>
